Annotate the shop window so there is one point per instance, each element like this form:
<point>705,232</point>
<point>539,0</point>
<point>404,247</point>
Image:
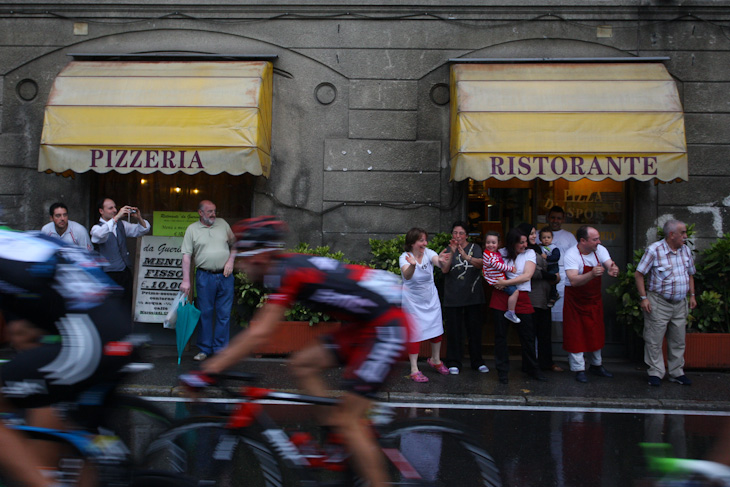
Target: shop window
<point>501,205</point>
<point>232,195</point>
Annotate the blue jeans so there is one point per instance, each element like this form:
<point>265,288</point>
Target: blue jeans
<point>215,297</point>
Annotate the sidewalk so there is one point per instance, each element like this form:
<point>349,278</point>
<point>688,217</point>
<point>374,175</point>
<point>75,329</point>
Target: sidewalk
<point>628,389</point>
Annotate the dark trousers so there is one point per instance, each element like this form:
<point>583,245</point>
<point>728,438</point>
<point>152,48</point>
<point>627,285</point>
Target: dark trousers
<point>458,321</point>
<point>124,279</point>
<point>543,333</point>
<point>526,331</point>
<point>124,296</point>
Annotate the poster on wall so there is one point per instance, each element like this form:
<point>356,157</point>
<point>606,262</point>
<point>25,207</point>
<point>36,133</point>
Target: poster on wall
<point>173,223</point>
<point>158,277</point>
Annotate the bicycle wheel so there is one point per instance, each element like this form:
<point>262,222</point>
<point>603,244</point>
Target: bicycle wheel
<point>436,453</point>
<point>205,450</point>
<point>136,421</point>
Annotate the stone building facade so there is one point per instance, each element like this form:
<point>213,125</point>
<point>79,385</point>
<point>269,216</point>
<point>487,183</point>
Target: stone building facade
<point>360,119</point>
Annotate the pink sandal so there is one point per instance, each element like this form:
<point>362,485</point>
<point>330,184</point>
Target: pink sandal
<point>440,368</point>
<point>418,377</point>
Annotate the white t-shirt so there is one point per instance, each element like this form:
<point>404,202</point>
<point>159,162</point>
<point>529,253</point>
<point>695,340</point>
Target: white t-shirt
<point>574,260</point>
<point>563,240</point>
<point>519,263</point>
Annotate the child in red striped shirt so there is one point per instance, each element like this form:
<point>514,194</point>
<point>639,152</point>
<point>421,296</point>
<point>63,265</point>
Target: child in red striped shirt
<point>494,269</point>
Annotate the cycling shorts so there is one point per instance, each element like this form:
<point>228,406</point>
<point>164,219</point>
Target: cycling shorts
<point>59,372</point>
<point>369,351</point>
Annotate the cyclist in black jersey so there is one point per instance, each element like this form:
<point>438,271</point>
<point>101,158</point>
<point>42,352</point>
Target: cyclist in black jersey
<point>371,342</point>
<point>61,317</point>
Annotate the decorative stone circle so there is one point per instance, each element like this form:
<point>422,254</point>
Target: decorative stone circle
<point>27,89</point>
<point>440,94</point>
<point>325,93</point>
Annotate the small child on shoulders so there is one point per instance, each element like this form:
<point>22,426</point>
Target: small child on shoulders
<point>494,269</point>
<point>551,254</point>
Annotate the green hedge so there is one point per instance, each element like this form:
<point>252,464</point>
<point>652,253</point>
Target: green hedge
<point>251,296</point>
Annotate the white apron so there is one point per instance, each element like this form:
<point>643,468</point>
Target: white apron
<point>421,300</point>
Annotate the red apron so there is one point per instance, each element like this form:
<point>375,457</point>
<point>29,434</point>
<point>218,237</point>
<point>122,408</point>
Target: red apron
<point>583,328</point>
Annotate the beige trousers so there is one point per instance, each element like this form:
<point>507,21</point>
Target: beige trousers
<point>670,320</point>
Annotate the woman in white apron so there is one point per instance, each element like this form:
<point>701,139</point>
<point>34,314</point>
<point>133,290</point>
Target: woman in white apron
<point>421,300</point>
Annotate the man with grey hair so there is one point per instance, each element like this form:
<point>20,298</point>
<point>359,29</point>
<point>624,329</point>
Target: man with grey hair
<point>670,268</point>
<point>209,243</point>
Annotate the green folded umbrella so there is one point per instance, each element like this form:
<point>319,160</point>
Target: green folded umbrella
<point>187,319</point>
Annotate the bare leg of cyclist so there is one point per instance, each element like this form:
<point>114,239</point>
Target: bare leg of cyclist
<point>47,452</point>
<point>307,366</point>
<point>348,417</point>
<point>17,458</point>
<point>349,421</point>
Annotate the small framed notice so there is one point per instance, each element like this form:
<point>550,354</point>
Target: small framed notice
<point>172,223</point>
<point>158,277</point>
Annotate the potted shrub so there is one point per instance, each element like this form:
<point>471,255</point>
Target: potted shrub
<point>708,337</point>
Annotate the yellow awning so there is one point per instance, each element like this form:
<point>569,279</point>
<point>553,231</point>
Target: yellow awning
<point>566,120</point>
<point>169,117</point>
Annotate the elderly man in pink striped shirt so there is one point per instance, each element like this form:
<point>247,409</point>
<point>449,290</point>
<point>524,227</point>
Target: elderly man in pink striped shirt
<point>664,295</point>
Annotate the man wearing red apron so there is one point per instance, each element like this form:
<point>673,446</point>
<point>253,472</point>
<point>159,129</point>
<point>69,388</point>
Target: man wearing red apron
<point>583,329</point>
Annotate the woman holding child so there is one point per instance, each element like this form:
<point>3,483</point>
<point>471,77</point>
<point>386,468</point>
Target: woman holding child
<point>515,254</point>
<point>421,300</point>
<point>542,284</point>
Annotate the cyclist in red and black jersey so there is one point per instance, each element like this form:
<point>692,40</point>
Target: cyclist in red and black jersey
<point>371,342</point>
<point>60,313</point>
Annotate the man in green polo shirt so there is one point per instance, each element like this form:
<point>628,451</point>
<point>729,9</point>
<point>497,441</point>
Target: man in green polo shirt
<point>209,243</point>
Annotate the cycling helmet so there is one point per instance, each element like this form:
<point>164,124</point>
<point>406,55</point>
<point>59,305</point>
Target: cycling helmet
<point>260,234</point>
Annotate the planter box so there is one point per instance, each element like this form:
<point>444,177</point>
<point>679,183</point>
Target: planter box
<point>707,351</point>
<point>292,336</point>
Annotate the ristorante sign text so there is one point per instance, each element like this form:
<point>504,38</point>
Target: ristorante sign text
<point>571,165</point>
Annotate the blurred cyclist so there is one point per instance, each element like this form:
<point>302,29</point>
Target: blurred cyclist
<point>49,288</point>
<point>368,345</point>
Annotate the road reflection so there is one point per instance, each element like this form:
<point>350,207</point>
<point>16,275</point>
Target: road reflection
<point>564,448</point>
<point>588,449</point>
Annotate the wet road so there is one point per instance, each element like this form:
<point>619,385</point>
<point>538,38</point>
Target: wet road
<point>558,447</point>
<point>586,449</point>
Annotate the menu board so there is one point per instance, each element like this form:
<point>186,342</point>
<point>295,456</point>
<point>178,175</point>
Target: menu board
<point>158,277</point>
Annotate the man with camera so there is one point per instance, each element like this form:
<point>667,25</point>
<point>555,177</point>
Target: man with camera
<point>109,236</point>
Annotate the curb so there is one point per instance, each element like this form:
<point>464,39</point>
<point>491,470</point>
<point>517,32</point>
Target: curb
<point>498,401</point>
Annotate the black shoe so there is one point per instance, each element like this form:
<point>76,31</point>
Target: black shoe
<point>503,379</point>
<point>580,376</point>
<point>682,379</point>
<point>538,376</point>
<point>655,381</point>
<point>600,370</point>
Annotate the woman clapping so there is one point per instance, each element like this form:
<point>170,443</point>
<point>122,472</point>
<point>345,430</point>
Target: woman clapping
<point>421,299</point>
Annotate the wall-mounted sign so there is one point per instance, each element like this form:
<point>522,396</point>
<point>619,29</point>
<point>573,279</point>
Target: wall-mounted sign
<point>172,223</point>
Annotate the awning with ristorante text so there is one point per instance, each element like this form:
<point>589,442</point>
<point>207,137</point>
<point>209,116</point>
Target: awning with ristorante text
<point>566,120</point>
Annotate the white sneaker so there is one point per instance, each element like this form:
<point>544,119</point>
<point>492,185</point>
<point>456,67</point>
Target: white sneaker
<point>454,370</point>
<point>510,315</point>
<point>483,369</point>
<point>200,357</point>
